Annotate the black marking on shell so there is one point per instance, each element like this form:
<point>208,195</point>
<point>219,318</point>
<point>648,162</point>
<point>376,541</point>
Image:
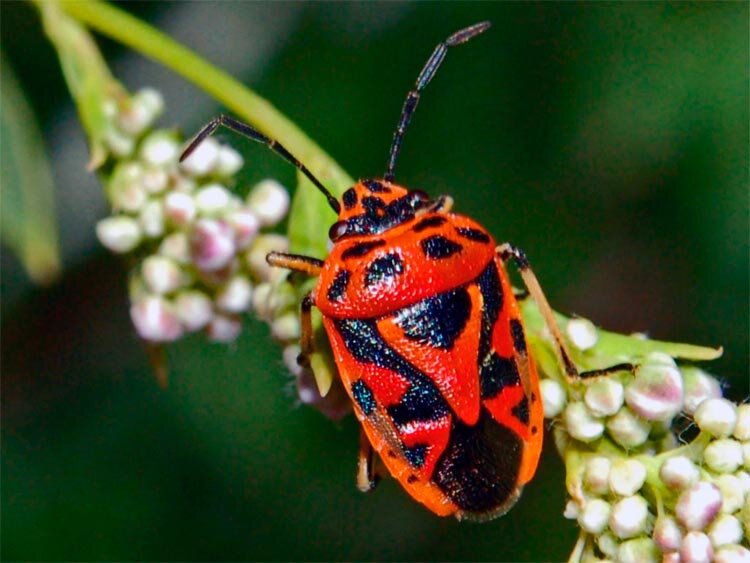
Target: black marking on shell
<point>376,187</point>
<point>338,286</point>
<point>364,397</point>
<point>436,321</point>
<point>521,410</point>
<point>439,247</point>
<point>412,479</point>
<point>428,222</point>
<point>361,248</point>
<point>497,373</point>
<point>383,269</point>
<point>492,304</point>
<point>473,234</point>
<point>349,198</point>
<point>416,455</point>
<point>519,341</point>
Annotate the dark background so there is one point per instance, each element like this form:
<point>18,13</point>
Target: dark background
<point>608,140</point>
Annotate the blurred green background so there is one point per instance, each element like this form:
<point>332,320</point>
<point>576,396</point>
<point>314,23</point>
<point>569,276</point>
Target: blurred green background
<point>608,140</point>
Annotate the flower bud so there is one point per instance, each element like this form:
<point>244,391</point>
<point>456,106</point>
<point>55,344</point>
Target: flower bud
<point>671,557</point>
<point>696,548</point>
<point>699,386</point>
<point>119,233</point>
<point>194,309</point>
<point>212,199</point>
<point>656,391</point>
<point>124,188</point>
<point>179,208</point>
<point>581,424</point>
<point>746,454</point>
<point>627,477</point>
<point>679,473</point>
<point>732,554</point>
<point>638,550</point>
<point>572,510</point>
<point>229,161</point>
<point>286,327</point>
<point>698,506</point>
<point>203,159</point>
<point>177,247</point>
<point>151,99</point>
<point>604,396</point>
<point>596,474</point>
<point>261,246</point>
<point>581,333</point>
<point>155,180</point>
<point>151,218</point>
<point>732,493</point>
<point>627,429</point>
<point>718,417</point>
<point>245,225</point>
<point>667,534</point>
<point>553,397</point>
<point>224,328</point>
<point>212,245</point>
<point>629,516</point>
<point>159,149</point>
<point>742,427</point>
<point>608,544</point>
<point>235,296</point>
<point>161,274</point>
<point>593,518</point>
<point>261,299</point>
<point>120,144</point>
<point>269,201</point>
<point>290,354</point>
<point>154,319</point>
<point>134,117</point>
<point>725,530</point>
<point>723,456</point>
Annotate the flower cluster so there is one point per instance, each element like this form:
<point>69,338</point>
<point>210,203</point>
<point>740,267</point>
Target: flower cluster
<point>637,493</point>
<point>200,256</point>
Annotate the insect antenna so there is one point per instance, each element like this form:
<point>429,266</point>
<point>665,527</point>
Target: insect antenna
<point>428,71</point>
<point>247,131</point>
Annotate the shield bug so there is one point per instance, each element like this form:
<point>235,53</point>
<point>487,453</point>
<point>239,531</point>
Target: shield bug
<point>426,333</point>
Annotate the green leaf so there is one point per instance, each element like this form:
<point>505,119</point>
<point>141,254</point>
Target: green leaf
<point>28,211</point>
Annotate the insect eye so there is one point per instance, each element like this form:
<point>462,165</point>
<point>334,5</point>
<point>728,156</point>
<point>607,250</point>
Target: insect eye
<point>338,230</point>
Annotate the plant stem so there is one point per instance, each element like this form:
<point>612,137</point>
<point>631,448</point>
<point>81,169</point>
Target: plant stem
<point>239,99</point>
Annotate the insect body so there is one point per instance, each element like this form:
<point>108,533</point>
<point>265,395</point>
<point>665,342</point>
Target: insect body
<point>426,334</point>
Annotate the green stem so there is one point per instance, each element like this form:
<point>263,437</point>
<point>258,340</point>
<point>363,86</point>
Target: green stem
<point>239,99</point>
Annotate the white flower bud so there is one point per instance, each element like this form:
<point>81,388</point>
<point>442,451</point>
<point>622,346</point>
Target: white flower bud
<point>194,309</point>
<point>120,144</point>
<point>553,397</point>
<point>235,296</point>
<point>261,299</point>
<point>203,159</point>
<point>667,534</point>
<point>679,473</point>
<point>696,548</point>
<point>596,474</point>
<point>159,149</point>
<point>732,554</point>
<point>224,329</point>
<point>176,247</point>
<point>604,396</point>
<point>151,218</point>
<point>723,456</point>
<point>134,118</point>
<point>627,429</point>
<point>745,516</point>
<point>638,550</point>
<point>746,454</point>
<point>581,333</point>
<point>744,481</point>
<point>581,424</point>
<point>161,274</point>
<point>155,180</point>
<point>154,319</point>
<point>572,510</point>
<point>179,208</point>
<point>718,417</point>
<point>671,557</point>
<point>629,516</point>
<point>699,386</point>
<point>245,225</point>
<point>627,477</point>
<point>286,327</point>
<point>290,355</point>
<point>212,245</point>
<point>656,390</point>
<point>608,544</point>
<point>124,187</point>
<point>229,161</point>
<point>732,492</point>
<point>698,506</point>
<point>593,518</point>
<point>212,199</point>
<point>269,201</point>
<point>151,99</point>
<point>742,427</point>
<point>119,233</point>
<point>261,246</point>
<point>725,530</point>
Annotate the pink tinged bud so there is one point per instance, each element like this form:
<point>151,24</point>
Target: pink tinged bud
<point>235,296</point>
<point>245,225</point>
<point>151,218</point>
<point>696,548</point>
<point>742,427</point>
<point>596,475</point>
<point>154,319</point>
<point>269,200</point>
<point>725,530</point>
<point>628,517</point>
<point>627,477</point>
<point>699,386</point>
<point>161,274</point>
<point>212,245</point>
<point>155,180</point>
<point>638,550</point>
<point>656,390</point>
<point>723,456</point>
<point>120,234</point>
<point>594,516</point>
<point>581,424</point>
<point>667,534</point>
<point>194,308</point>
<point>203,159</point>
<point>212,199</point>
<point>627,429</point>
<point>671,557</point>
<point>261,246</point>
<point>224,328</point>
<point>581,333</point>
<point>698,506</point>
<point>604,396</point>
<point>229,161</point>
<point>176,247</point>
<point>679,473</point>
<point>732,554</point>
<point>718,417</point>
<point>179,208</point>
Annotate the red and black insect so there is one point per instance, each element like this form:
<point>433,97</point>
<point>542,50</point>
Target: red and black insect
<point>426,333</point>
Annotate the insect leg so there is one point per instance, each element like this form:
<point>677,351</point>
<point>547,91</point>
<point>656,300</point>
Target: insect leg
<point>306,331</point>
<point>367,476</point>
<point>298,263</point>
<point>507,251</point>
